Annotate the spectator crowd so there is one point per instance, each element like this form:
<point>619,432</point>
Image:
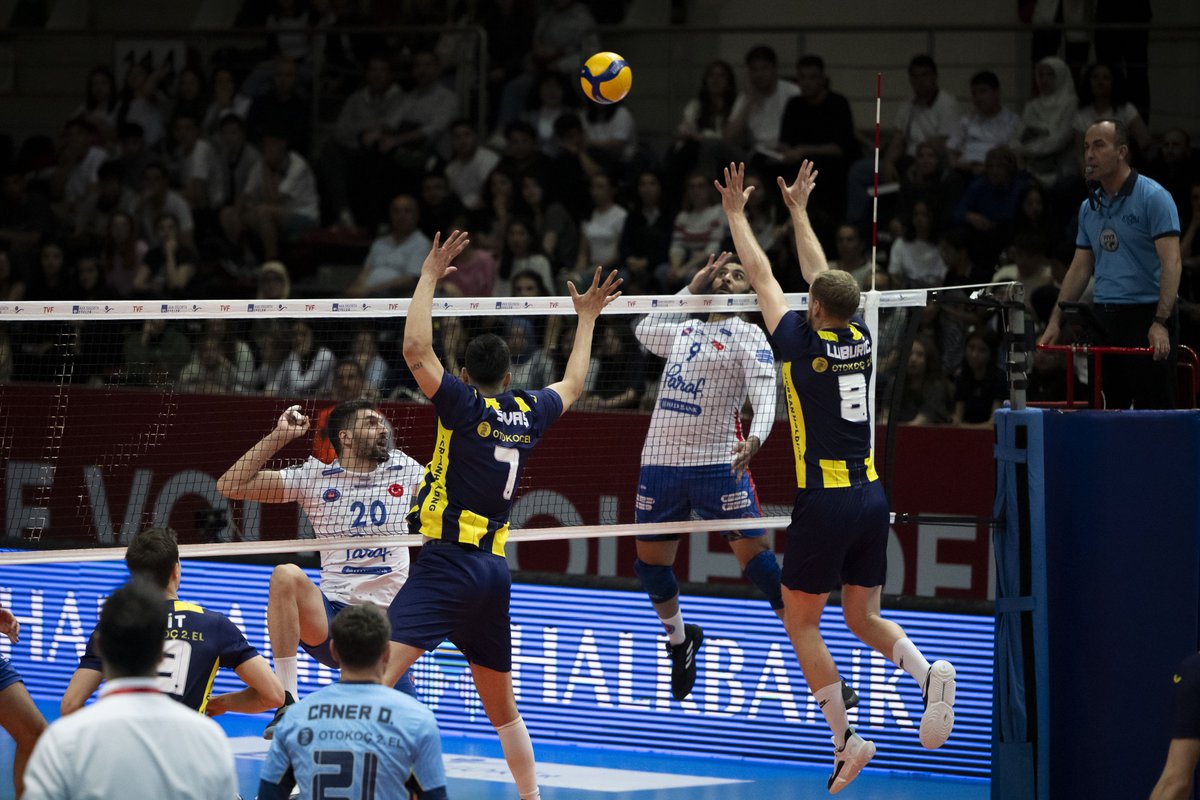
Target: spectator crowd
<point>239,173</point>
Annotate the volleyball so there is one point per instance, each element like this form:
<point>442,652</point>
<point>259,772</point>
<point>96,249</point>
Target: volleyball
<point>605,78</point>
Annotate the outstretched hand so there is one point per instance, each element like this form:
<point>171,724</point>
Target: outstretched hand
<point>734,193</point>
<point>795,197</point>
<point>437,263</point>
<point>702,279</point>
<point>589,304</point>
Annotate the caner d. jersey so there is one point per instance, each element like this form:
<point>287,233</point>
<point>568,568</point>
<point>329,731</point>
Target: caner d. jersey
<point>357,740</point>
<point>825,377</point>
<point>199,642</point>
<point>712,367</point>
<point>481,449</point>
<point>349,504</point>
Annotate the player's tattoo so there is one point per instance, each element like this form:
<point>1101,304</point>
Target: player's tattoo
<point>417,365</point>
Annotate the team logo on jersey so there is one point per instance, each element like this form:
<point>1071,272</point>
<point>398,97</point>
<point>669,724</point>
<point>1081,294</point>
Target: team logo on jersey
<point>484,430</point>
<point>819,364</point>
<point>1109,241</point>
<point>396,490</point>
<point>330,494</point>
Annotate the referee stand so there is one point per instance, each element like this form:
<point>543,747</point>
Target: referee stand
<point>1097,597</point>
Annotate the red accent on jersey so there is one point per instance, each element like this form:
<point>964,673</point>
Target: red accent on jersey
<point>396,490</point>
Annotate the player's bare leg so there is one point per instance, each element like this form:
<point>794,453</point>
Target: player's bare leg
<point>496,691</point>
<point>295,613</point>
<point>24,723</point>
<point>655,569</point>
<point>802,618</point>
<point>860,606</point>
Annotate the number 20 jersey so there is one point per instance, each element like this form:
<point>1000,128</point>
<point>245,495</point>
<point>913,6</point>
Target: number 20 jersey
<point>825,378</point>
<point>348,504</point>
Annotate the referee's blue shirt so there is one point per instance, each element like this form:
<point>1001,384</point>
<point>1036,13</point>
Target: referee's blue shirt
<point>1121,232</point>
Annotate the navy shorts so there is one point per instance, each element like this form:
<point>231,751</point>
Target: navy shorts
<point>671,494</point>
<point>460,593</point>
<point>837,536</point>
<point>8,675</point>
<point>1185,722</point>
<point>322,653</point>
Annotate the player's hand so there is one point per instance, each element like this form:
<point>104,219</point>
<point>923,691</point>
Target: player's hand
<point>437,263</point>
<point>1159,340</point>
<point>592,302</point>
<point>216,706</point>
<point>1050,334</point>
<point>734,193</point>
<point>10,626</point>
<point>292,423</point>
<point>742,452</point>
<point>795,197</point>
<point>703,278</point>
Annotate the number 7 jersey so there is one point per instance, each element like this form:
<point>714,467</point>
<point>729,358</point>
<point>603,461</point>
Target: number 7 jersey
<point>349,504</point>
<point>825,378</point>
<point>481,448</point>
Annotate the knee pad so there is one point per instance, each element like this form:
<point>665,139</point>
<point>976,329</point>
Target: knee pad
<point>659,580</point>
<point>763,572</point>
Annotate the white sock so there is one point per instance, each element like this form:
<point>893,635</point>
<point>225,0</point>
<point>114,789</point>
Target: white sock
<point>834,708</point>
<point>908,658</point>
<point>674,626</point>
<point>518,752</point>
<point>285,668</point>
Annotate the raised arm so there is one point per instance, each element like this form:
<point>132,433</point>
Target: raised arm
<point>795,197</point>
<point>750,253</point>
<point>418,328</point>
<point>246,479</point>
<point>588,306</point>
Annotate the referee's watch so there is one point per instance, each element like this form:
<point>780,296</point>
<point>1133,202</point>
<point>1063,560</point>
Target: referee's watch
<point>1162,320</point>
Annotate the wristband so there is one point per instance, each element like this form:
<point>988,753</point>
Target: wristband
<point>1162,320</point>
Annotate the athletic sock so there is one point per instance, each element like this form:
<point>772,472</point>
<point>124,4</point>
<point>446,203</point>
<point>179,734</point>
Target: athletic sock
<point>834,708</point>
<point>674,626</point>
<point>908,658</point>
<point>285,668</point>
<point>518,752</point>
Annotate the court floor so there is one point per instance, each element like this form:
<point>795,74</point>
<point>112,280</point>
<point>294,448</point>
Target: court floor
<point>476,771</point>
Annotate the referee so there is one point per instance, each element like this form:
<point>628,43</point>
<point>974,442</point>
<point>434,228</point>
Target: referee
<point>1129,239</point>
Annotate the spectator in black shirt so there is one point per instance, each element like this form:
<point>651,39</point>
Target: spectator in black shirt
<point>646,237</point>
<point>980,387</point>
<point>283,108</point>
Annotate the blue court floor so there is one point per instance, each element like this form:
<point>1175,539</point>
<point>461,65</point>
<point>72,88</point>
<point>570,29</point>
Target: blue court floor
<point>476,771</point>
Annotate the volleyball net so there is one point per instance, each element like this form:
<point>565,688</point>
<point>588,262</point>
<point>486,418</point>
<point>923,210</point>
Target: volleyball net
<point>120,415</point>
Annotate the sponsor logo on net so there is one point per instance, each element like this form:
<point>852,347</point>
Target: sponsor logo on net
<point>341,308</point>
<point>263,308</point>
<point>91,309</point>
<point>178,308</point>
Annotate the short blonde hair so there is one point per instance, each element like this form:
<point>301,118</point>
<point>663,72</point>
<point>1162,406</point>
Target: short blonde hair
<point>837,291</point>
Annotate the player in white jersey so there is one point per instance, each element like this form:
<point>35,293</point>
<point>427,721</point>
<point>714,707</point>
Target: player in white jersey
<point>366,491</point>
<point>695,458</point>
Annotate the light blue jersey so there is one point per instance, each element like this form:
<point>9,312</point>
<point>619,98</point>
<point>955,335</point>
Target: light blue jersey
<point>1121,232</point>
<point>358,740</point>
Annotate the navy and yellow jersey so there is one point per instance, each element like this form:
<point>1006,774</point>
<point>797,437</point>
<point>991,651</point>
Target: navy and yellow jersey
<point>825,378</point>
<point>482,444</point>
<point>199,642</point>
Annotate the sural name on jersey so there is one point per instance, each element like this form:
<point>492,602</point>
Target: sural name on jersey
<point>513,418</point>
<point>844,351</point>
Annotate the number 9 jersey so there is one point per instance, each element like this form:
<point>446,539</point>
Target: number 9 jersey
<point>825,378</point>
<point>348,504</point>
<point>482,444</point>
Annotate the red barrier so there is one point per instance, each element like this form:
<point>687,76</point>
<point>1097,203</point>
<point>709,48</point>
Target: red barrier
<point>88,464</point>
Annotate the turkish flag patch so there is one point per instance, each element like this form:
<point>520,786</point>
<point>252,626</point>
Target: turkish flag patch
<point>396,490</point>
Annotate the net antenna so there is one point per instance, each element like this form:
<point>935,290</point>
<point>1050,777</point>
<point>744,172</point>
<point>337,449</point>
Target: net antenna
<point>871,302</point>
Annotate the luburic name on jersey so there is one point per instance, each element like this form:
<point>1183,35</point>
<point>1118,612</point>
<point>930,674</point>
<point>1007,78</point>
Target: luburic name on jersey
<point>342,503</point>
